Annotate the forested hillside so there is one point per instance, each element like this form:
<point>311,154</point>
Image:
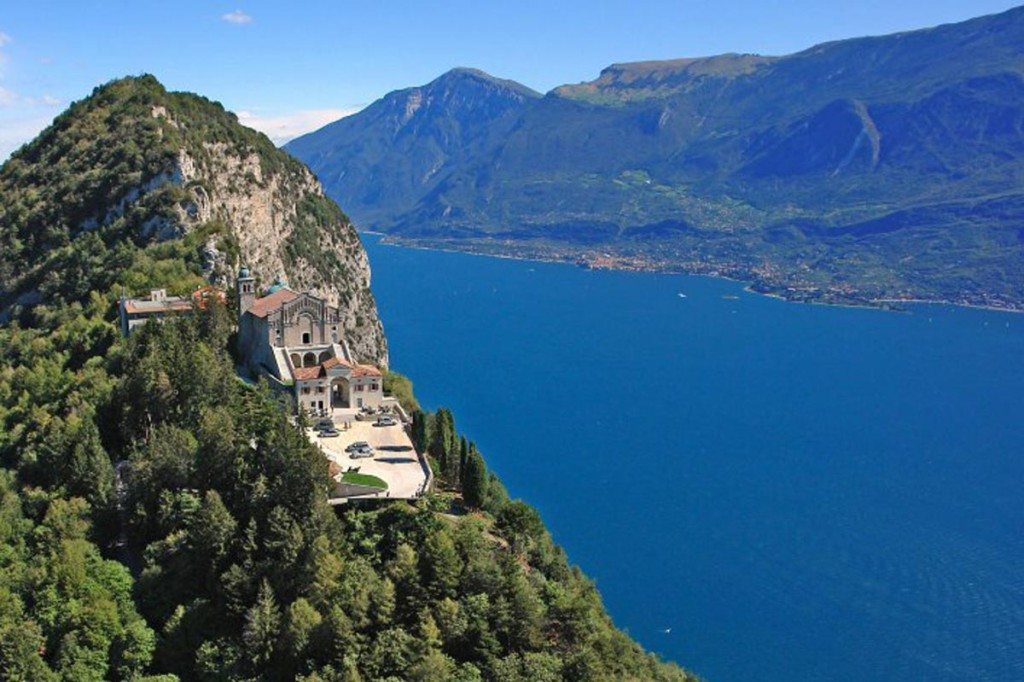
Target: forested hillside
<point>161,519</point>
<point>859,170</point>
<point>134,164</point>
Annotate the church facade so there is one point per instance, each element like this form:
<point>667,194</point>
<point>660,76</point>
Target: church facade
<point>295,340</point>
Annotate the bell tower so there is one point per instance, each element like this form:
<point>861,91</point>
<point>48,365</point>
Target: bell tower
<point>246,291</point>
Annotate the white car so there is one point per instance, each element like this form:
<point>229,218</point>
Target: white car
<point>362,453</point>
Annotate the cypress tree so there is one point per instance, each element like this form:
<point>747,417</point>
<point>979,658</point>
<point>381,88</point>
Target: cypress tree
<point>474,479</point>
<point>444,444</point>
<point>419,431</point>
<point>463,455</point>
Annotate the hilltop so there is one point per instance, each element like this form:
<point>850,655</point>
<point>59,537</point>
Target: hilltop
<point>133,166</point>
<point>161,519</point>
<point>873,168</point>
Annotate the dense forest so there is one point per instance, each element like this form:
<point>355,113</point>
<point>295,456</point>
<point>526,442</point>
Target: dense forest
<point>243,569</point>
<point>161,519</point>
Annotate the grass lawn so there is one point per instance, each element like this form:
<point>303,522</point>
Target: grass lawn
<point>363,479</point>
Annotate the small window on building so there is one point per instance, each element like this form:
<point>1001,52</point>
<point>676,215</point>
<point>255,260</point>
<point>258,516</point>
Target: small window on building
<point>306,337</point>
<point>359,387</point>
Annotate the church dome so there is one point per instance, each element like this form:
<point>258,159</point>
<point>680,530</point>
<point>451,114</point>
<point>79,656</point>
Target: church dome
<point>278,284</point>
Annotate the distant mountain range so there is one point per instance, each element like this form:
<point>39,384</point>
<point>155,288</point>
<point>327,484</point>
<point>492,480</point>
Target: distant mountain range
<point>859,170</point>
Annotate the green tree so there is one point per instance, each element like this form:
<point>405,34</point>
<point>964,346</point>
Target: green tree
<point>444,445</point>
<point>440,564</point>
<point>419,431</point>
<point>520,523</point>
<point>261,629</point>
<point>300,626</point>
<point>474,479</point>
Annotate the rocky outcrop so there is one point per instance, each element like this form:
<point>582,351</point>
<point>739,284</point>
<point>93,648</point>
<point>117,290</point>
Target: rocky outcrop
<point>134,165</point>
<point>261,210</point>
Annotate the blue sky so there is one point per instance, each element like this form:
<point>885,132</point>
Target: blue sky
<point>289,67</point>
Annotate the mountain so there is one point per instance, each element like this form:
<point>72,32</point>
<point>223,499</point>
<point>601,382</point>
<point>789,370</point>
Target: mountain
<point>162,520</point>
<point>413,136</point>
<point>134,165</point>
<point>858,170</point>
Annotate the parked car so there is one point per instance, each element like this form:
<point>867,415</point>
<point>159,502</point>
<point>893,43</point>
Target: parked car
<point>329,433</point>
<point>323,424</point>
<point>358,445</point>
<point>386,420</point>
<point>362,453</point>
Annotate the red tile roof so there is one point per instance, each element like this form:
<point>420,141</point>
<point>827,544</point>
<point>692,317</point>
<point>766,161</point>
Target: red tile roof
<point>357,370</point>
<point>205,293</point>
<point>335,361</point>
<point>307,373</point>
<point>365,371</point>
<point>262,306</point>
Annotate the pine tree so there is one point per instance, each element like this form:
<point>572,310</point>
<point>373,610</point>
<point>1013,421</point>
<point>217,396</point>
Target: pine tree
<point>262,626</point>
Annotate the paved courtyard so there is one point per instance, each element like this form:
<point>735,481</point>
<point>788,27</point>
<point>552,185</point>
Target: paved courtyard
<point>394,459</point>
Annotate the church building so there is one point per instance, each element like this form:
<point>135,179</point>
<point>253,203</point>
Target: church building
<point>296,341</point>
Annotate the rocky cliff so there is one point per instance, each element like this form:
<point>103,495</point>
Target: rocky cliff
<point>133,166</point>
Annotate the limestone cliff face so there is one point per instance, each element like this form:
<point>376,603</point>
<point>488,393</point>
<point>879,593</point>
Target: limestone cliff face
<point>134,166</point>
<point>278,235</point>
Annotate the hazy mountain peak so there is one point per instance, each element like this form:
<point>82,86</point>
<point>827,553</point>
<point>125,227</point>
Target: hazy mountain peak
<point>464,74</point>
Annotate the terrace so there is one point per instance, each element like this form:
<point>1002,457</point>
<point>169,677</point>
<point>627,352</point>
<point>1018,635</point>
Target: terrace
<point>395,462</point>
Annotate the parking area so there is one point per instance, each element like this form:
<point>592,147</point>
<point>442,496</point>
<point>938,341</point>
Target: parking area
<point>394,459</point>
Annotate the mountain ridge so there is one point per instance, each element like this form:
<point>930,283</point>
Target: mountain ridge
<point>701,164</point>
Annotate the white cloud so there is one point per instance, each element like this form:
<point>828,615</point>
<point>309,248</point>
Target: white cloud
<point>283,127</point>
<point>4,39</point>
<point>237,17</point>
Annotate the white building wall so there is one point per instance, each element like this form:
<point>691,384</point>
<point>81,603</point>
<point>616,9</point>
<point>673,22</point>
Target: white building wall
<point>313,395</point>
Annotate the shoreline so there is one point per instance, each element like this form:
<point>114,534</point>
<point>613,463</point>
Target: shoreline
<point>883,304</point>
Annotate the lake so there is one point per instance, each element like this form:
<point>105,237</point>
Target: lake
<point>760,489</point>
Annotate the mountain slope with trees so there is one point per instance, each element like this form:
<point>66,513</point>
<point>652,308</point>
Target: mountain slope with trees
<point>857,170</point>
<point>160,519</point>
<point>134,164</point>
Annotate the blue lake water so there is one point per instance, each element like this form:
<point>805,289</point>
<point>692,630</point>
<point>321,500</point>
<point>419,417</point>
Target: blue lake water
<point>799,492</point>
